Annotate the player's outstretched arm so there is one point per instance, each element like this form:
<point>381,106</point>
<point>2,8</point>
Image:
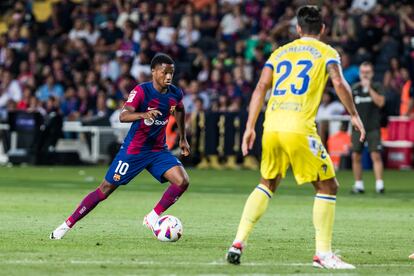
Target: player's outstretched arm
<point>345,95</point>
<point>255,106</point>
<point>179,115</point>
<point>129,115</point>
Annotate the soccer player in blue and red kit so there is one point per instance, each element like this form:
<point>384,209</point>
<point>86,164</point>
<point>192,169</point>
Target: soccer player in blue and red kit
<point>148,108</point>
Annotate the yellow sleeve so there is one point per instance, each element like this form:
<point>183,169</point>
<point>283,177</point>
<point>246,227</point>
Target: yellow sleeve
<point>332,56</point>
<point>271,61</point>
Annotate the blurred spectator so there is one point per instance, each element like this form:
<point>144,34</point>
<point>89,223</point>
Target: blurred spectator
<point>92,35</point>
<point>101,109</point>
<point>25,73</point>
<point>70,104</point>
<point>210,18</point>
<point>86,48</point>
<point>343,29</point>
<point>86,105</point>
<point>231,23</point>
<point>110,38</point>
<point>363,5</point>
<point>78,31</point>
<point>192,93</point>
<point>368,35</point>
<point>351,71</point>
<point>141,66</point>
<point>396,76</point>
<point>15,41</point>
<point>260,41</point>
<point>126,12</point>
<point>10,89</point>
<point>407,20</point>
<point>165,32</point>
<point>49,88</point>
<point>24,103</point>
<point>128,47</point>
<point>188,35</point>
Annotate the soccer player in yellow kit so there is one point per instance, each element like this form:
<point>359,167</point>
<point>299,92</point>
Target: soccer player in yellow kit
<point>297,74</point>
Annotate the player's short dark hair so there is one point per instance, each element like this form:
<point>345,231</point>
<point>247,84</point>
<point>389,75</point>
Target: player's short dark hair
<point>310,19</point>
<point>161,58</point>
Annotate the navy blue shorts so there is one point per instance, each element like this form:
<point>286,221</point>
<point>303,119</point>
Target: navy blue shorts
<point>126,166</point>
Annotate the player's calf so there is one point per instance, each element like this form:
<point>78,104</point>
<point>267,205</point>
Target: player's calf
<point>170,196</point>
<point>87,205</point>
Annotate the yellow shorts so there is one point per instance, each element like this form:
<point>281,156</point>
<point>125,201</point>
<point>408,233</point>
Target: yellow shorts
<point>305,153</point>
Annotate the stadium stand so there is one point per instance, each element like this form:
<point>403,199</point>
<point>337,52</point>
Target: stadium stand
<point>81,58</point>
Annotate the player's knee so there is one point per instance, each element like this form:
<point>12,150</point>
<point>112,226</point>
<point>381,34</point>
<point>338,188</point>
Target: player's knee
<point>356,157</point>
<point>329,187</point>
<point>329,190</point>
<point>106,188</point>
<point>333,188</point>
<point>272,187</point>
<point>183,181</point>
<point>271,184</point>
<point>376,157</point>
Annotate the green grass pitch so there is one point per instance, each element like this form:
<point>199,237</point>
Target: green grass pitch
<point>374,232</point>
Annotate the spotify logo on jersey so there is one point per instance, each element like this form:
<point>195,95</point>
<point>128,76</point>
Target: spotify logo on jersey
<point>149,122</point>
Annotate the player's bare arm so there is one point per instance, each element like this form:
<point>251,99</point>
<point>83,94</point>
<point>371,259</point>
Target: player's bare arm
<point>179,115</point>
<point>128,114</point>
<point>344,93</point>
<point>255,106</point>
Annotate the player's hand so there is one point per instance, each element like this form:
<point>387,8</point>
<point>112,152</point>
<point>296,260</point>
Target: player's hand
<point>185,147</point>
<point>366,83</point>
<point>248,140</point>
<point>152,114</point>
<point>357,124</point>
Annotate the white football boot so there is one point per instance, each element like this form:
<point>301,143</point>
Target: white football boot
<point>146,223</point>
<point>331,261</point>
<point>150,220</point>
<point>59,232</point>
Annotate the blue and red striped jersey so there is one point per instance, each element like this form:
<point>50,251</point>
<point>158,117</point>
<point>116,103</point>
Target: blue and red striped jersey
<point>149,134</point>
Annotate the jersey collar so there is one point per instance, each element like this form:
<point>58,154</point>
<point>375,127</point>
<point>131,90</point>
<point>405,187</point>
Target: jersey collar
<point>307,38</point>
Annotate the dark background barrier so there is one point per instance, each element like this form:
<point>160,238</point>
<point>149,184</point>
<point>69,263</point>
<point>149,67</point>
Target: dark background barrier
<point>216,138</point>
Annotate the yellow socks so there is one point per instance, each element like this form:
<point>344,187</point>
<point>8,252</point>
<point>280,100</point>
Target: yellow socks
<point>323,220</point>
<point>254,208</point>
<point>323,217</point>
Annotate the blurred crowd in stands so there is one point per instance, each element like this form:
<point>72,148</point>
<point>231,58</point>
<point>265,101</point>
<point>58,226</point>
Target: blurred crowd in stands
<point>82,58</point>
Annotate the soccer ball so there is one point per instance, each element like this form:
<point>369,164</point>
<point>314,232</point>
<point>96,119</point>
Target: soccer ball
<point>168,229</point>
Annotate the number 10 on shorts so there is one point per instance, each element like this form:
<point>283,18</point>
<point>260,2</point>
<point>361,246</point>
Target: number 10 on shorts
<point>122,168</point>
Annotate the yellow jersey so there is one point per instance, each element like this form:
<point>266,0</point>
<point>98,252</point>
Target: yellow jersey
<point>299,79</point>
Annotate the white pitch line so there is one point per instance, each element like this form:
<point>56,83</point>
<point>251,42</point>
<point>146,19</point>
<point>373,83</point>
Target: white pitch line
<point>129,262</point>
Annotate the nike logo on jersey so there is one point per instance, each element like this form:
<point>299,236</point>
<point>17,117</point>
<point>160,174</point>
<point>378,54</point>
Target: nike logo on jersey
<point>151,108</point>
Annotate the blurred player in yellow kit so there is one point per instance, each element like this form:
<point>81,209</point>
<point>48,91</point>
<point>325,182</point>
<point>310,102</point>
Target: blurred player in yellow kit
<point>297,74</point>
